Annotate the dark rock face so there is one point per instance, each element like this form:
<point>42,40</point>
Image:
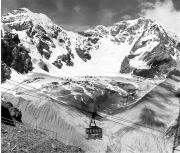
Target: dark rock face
<point>83,54</point>
<point>37,31</point>
<point>65,58</point>
<point>158,59</point>
<point>102,30</point>
<point>43,46</point>
<point>126,31</point>
<point>93,40</point>
<point>178,45</point>
<point>56,30</point>
<point>117,28</point>
<point>98,32</point>
<point>14,56</point>
<point>138,45</point>
<point>9,112</point>
<point>6,117</point>
<point>30,32</point>
<point>56,33</point>
<point>58,63</point>
<point>125,67</point>
<point>158,67</point>
<point>22,61</point>
<point>19,27</point>
<point>5,72</point>
<point>85,34</point>
<point>40,29</point>
<point>61,41</point>
<point>84,50</point>
<point>43,66</point>
<point>146,73</point>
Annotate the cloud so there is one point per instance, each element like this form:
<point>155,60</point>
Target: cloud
<point>43,6</point>
<point>126,17</point>
<point>89,13</point>
<point>75,27</point>
<point>77,9</point>
<point>164,13</point>
<point>80,13</point>
<point>106,16</point>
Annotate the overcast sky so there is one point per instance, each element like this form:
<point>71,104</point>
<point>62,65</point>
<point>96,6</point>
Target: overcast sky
<point>82,14</point>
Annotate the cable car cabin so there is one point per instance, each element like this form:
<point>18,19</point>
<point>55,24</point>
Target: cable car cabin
<point>93,132</point>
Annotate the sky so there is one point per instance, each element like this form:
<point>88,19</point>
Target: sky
<point>76,15</point>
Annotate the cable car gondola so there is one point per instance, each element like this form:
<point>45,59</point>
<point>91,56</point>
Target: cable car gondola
<point>93,131</point>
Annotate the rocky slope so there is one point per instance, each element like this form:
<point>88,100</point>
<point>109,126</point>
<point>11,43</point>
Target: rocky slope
<point>21,138</point>
<point>9,113</point>
<point>139,47</point>
<point>13,55</point>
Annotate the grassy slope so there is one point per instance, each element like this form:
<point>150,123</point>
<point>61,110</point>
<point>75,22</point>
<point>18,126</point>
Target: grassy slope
<point>23,139</point>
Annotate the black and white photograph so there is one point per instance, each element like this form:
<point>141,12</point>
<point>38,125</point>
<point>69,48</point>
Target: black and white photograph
<point>90,76</point>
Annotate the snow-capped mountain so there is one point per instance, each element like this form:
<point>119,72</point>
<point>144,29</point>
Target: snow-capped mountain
<point>45,68</point>
<point>139,46</point>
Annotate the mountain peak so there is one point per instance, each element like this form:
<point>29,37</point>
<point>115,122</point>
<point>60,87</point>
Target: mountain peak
<point>17,11</point>
<point>125,46</point>
<point>25,9</point>
<point>22,9</point>
<point>23,18</point>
